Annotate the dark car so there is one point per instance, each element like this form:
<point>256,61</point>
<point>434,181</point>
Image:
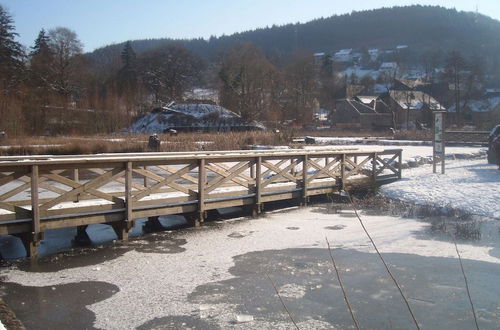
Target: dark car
<point>494,145</point>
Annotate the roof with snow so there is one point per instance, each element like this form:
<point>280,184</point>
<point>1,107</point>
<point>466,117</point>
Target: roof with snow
<point>486,105</point>
<point>200,111</point>
<point>359,107</point>
<point>415,100</point>
<point>358,72</point>
<point>202,94</point>
<point>388,66</point>
<point>189,117</point>
<point>344,51</point>
<point>366,99</point>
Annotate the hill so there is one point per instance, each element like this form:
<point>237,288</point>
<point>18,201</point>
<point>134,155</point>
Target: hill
<point>423,28</point>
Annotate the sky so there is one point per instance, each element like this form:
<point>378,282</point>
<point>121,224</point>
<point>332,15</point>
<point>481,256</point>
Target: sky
<point>103,22</point>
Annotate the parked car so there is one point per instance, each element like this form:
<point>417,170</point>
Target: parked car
<point>494,145</point>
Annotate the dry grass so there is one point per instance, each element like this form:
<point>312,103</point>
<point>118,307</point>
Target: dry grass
<point>72,145</point>
<point>138,143</point>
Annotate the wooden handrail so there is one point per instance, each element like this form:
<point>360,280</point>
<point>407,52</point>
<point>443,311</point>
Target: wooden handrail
<point>41,194</point>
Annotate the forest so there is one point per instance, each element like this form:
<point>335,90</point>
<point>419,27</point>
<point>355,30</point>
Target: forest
<point>269,74</point>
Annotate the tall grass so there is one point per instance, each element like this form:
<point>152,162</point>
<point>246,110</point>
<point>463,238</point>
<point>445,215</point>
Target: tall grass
<point>72,145</point>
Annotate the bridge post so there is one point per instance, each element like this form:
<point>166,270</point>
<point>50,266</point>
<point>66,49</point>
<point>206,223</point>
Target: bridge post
<point>31,241</point>
<point>400,163</point>
<point>305,167</point>
<point>122,228</point>
<point>76,178</point>
<point>145,177</point>
<point>202,182</point>
<point>374,168</point>
<point>342,172</point>
<point>258,187</point>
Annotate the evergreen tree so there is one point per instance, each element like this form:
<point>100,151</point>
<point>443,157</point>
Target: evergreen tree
<point>41,44</point>
<point>129,58</point>
<point>127,76</point>
<point>11,52</point>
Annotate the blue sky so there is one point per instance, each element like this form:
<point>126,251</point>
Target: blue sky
<point>102,22</point>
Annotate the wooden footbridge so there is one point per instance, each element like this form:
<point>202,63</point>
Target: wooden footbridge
<point>38,193</point>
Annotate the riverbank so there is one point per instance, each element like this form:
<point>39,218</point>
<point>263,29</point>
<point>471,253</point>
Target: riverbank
<point>471,186</point>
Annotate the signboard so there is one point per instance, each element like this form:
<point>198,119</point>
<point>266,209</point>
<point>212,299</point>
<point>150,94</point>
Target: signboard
<point>439,140</point>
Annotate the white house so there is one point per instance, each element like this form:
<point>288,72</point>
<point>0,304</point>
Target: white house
<point>374,53</point>
<point>389,68</point>
<point>343,55</point>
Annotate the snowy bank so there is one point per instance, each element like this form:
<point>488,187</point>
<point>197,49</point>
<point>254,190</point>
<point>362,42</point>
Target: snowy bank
<point>470,186</point>
<point>413,155</point>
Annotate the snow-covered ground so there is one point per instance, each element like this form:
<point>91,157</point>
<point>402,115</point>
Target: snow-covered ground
<point>413,155</point>
<point>218,275</point>
<point>471,186</point>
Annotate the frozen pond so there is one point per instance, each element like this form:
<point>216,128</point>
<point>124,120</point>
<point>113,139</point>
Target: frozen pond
<point>216,276</point>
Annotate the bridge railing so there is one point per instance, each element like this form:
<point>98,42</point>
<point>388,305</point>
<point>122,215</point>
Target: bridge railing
<point>45,192</point>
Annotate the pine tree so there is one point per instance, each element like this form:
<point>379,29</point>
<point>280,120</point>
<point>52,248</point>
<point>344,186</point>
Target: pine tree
<point>41,44</point>
<point>11,52</point>
<point>129,58</point>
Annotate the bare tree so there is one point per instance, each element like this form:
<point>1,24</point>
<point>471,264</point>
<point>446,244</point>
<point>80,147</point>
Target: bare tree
<point>301,87</point>
<point>169,71</point>
<point>247,82</point>
<point>65,47</point>
<point>455,64</point>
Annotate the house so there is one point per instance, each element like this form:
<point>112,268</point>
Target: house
<point>320,116</point>
<point>204,95</point>
<point>482,113</point>
<point>408,84</point>
<point>319,58</point>
<point>374,54</point>
<point>351,113</point>
<point>343,55</point>
<point>491,92</point>
<point>389,68</point>
<point>359,73</point>
<point>192,117</point>
<point>366,100</point>
<point>411,107</point>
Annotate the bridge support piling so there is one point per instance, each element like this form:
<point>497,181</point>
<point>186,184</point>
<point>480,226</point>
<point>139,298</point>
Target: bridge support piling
<point>122,229</point>
<point>31,242</point>
<point>152,225</point>
<point>82,238</point>
<point>195,219</point>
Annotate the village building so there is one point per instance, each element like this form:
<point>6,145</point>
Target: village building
<point>374,54</point>
<point>343,55</point>
<point>412,108</point>
<point>481,113</point>
<point>389,69</point>
<point>192,117</point>
<point>321,116</point>
<point>354,113</point>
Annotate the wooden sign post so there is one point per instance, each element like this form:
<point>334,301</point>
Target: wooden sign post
<point>438,142</point>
